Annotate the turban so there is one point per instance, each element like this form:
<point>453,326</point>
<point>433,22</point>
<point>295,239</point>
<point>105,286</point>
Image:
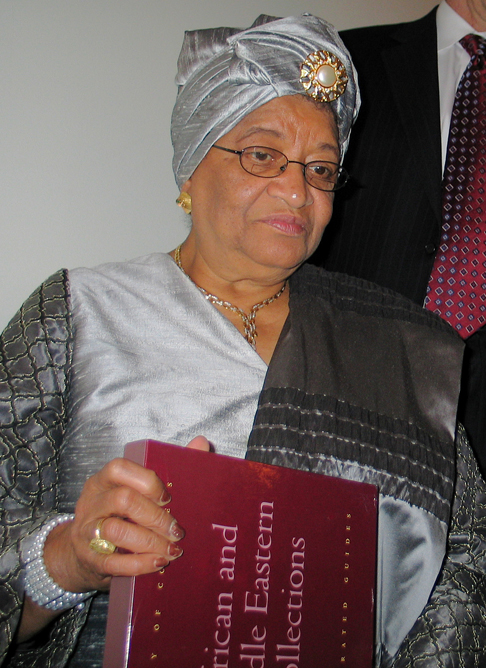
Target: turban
<point>225,73</point>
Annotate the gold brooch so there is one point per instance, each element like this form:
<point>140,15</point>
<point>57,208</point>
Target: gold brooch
<point>323,76</point>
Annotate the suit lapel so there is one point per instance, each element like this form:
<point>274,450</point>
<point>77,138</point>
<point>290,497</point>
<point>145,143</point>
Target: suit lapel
<point>411,67</point>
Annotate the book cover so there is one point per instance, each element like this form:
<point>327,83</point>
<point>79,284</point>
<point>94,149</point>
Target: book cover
<point>278,570</point>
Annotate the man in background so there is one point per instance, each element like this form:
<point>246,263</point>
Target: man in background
<point>390,225</point>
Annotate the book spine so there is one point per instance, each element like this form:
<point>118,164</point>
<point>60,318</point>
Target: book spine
<point>119,626</point>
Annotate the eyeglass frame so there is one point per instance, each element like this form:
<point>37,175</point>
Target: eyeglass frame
<point>341,171</point>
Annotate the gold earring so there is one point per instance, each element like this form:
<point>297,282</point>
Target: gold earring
<point>185,202</point>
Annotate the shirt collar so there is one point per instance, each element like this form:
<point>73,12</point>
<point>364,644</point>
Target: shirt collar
<point>451,27</point>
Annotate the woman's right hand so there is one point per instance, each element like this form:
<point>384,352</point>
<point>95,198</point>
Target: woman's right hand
<point>131,500</point>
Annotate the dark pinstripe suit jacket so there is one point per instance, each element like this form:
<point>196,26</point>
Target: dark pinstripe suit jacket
<point>386,224</point>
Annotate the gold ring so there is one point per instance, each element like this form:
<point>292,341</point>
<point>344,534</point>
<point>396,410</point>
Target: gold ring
<point>99,544</point>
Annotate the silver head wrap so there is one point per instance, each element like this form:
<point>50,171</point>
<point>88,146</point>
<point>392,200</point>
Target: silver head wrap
<point>225,73</point>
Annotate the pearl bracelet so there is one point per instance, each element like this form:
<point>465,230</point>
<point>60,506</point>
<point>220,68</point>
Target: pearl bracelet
<point>39,585</point>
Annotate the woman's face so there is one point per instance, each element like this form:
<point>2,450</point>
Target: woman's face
<point>262,227</point>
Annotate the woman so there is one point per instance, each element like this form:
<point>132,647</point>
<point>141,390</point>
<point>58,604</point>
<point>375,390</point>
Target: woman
<point>169,347</point>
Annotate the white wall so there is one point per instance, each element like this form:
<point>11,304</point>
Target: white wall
<point>86,95</point>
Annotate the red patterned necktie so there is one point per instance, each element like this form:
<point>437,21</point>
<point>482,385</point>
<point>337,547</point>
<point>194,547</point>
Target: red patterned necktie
<point>457,285</point>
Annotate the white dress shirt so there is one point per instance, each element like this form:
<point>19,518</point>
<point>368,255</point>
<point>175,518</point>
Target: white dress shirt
<point>453,60</point>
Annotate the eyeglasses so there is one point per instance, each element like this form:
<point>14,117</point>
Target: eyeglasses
<point>268,163</point>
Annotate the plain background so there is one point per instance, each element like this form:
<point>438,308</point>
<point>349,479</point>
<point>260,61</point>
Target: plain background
<point>87,89</point>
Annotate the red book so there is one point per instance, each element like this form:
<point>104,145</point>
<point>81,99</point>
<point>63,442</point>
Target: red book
<point>278,570</point>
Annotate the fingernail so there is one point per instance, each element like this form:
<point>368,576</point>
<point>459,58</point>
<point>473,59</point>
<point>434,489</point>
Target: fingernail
<point>160,562</point>
<point>174,550</point>
<point>176,531</point>
<point>165,498</point>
